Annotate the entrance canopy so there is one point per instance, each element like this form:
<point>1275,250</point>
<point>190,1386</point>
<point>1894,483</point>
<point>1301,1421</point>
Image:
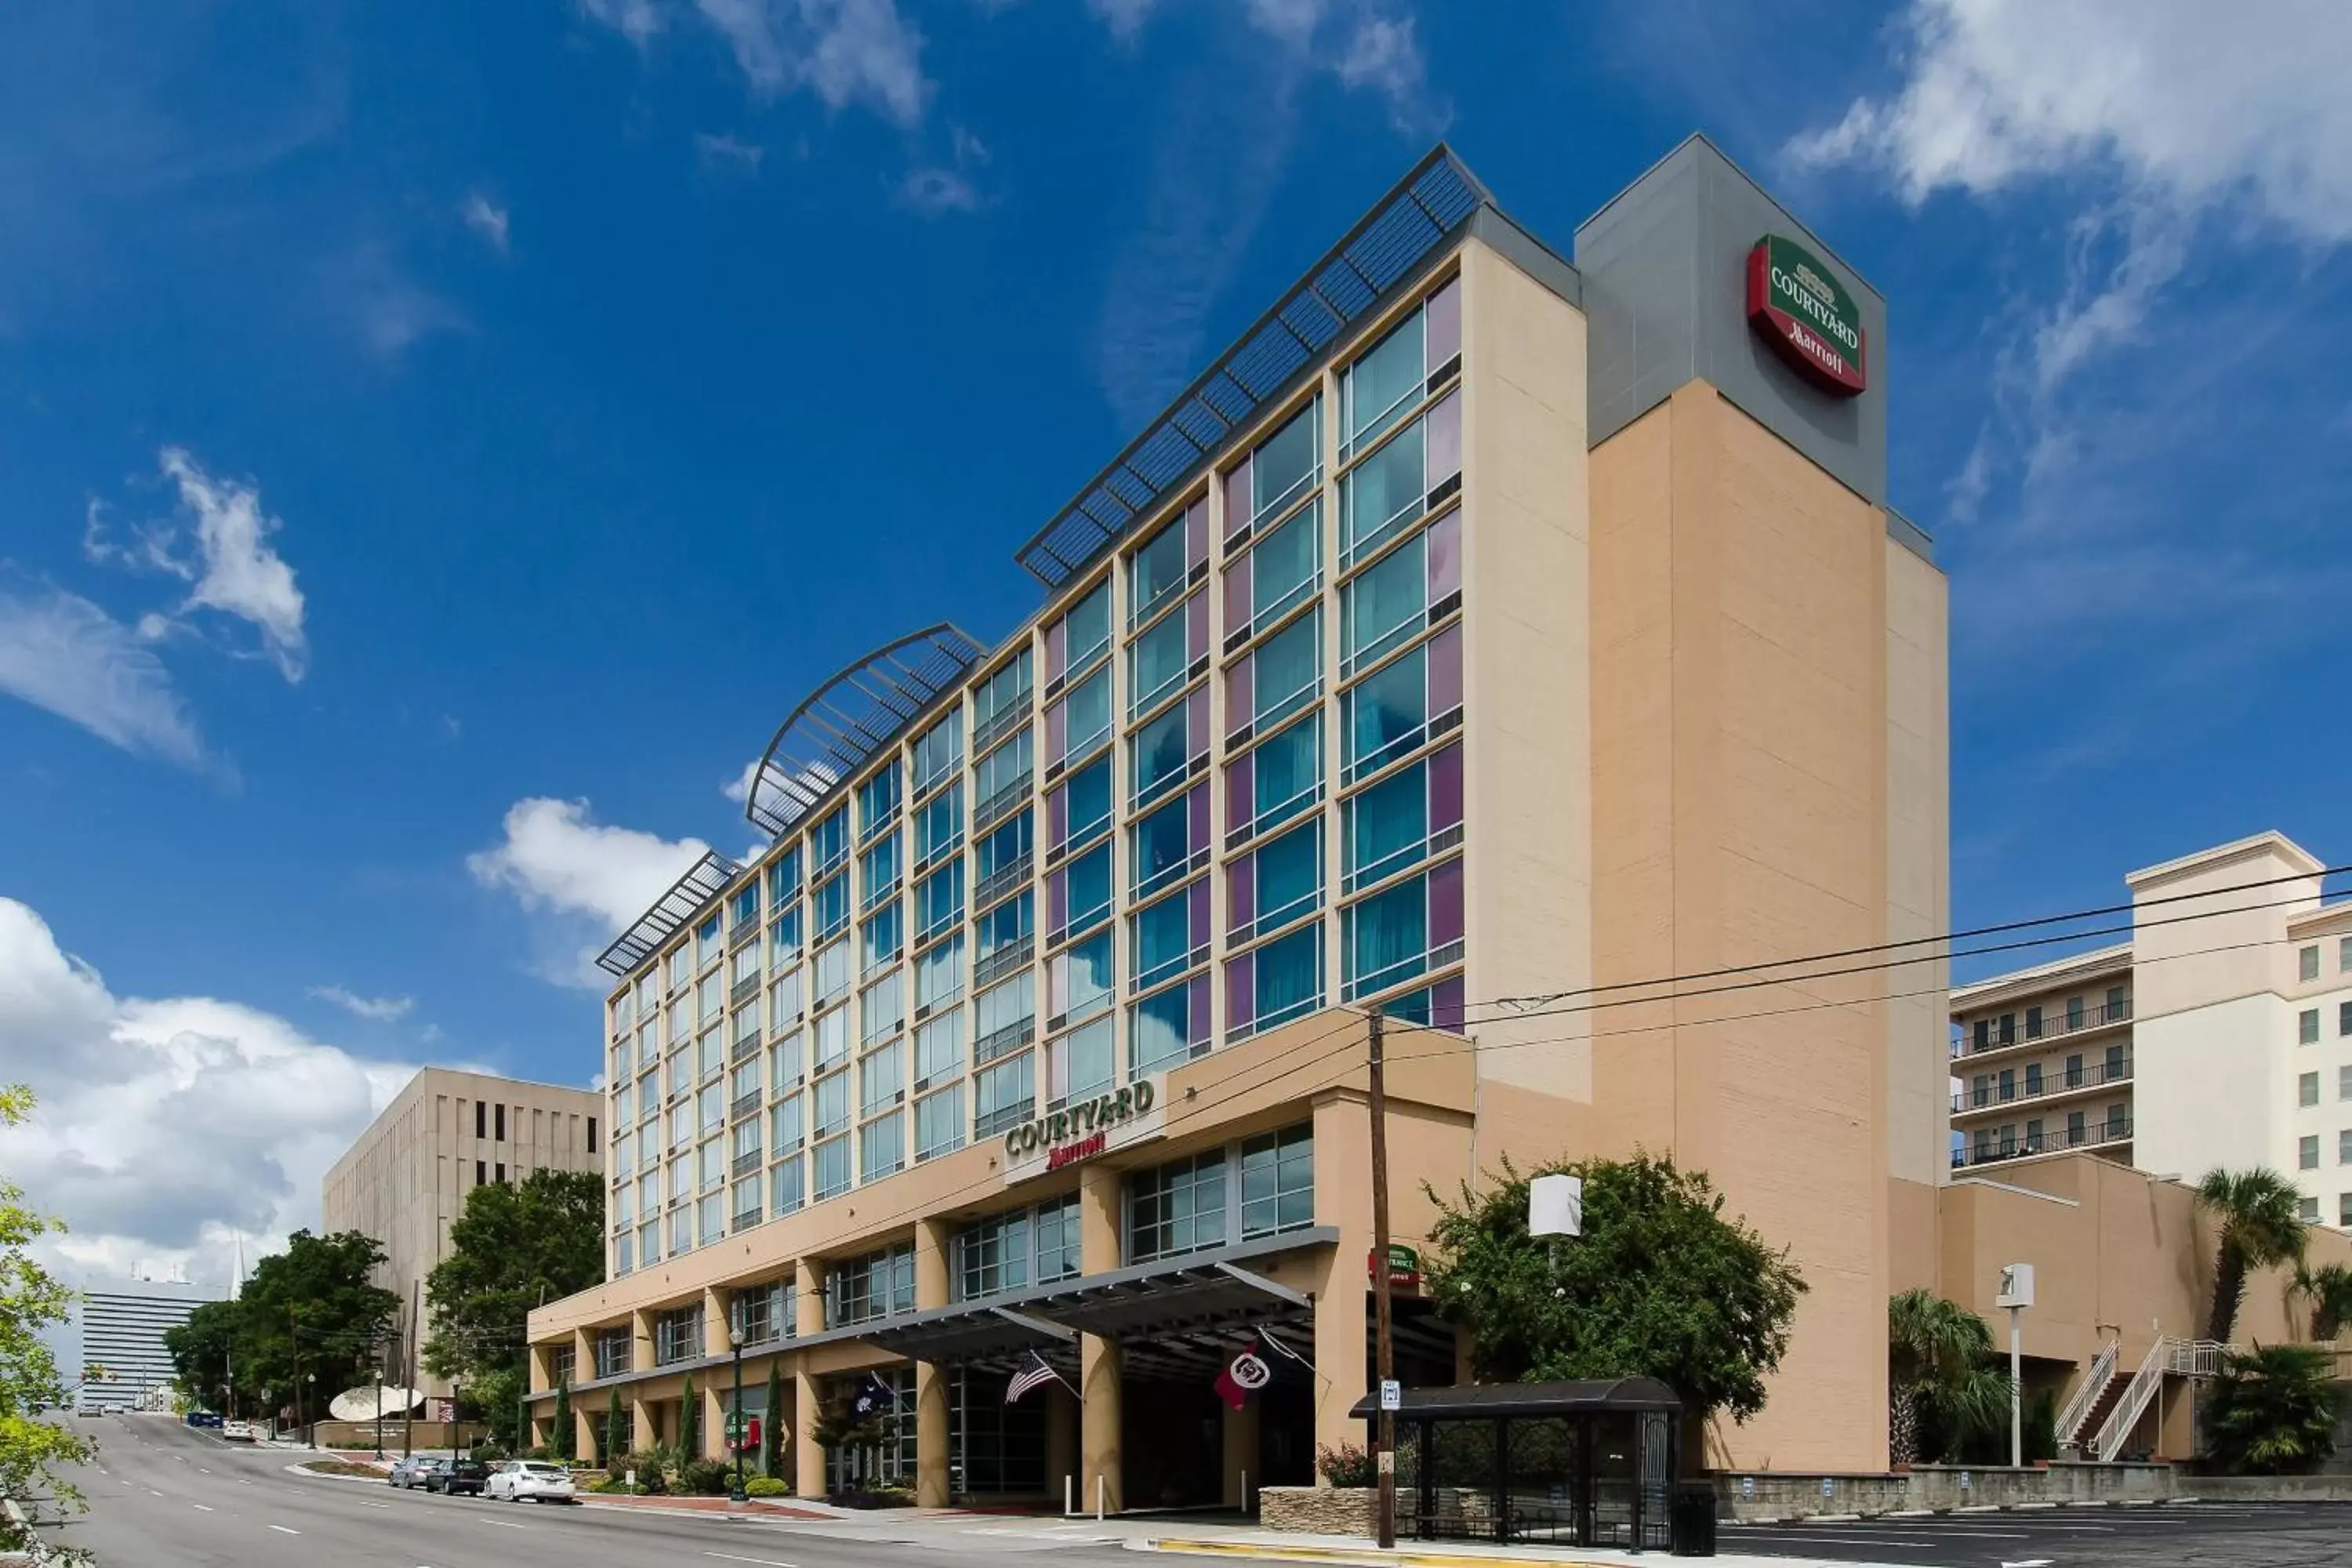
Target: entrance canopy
<point>1490,1401</point>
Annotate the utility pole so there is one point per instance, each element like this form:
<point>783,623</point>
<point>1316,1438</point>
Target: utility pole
<point>408,1376</point>
<point>1384,1350</point>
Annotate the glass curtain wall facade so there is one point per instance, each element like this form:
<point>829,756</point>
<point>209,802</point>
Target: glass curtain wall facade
<point>1215,786</point>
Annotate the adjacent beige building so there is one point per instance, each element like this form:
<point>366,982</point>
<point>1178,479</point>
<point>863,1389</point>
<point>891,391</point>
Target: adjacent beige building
<point>405,1180</point>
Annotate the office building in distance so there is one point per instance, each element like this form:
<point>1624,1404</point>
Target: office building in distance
<point>124,1365</point>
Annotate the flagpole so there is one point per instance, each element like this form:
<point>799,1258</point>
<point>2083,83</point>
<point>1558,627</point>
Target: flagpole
<point>1384,1350</point>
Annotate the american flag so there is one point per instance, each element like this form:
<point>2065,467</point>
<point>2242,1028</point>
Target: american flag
<point>1033,1371</point>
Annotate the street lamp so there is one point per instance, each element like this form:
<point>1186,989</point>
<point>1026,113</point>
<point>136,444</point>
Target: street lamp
<point>456,1419</point>
<point>735,1427</point>
<point>309,1395</point>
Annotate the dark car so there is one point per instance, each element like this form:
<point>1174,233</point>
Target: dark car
<point>455,1476</point>
<point>204,1419</point>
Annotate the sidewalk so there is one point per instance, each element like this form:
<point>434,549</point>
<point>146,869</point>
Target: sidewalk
<point>1281,1546</point>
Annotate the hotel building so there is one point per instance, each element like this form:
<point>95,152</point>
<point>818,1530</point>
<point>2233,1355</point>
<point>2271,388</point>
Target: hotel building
<point>1484,626</point>
<point>406,1179</point>
<point>2219,1035</point>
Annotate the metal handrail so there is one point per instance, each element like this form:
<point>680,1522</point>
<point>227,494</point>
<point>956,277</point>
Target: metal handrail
<point>2061,1082</point>
<point>2071,1420</point>
<point>2180,1358</point>
<point>2097,1017</point>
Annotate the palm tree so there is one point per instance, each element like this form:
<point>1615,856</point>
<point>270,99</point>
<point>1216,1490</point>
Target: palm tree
<point>2273,1410</point>
<point>2328,1288</point>
<point>1944,1383</point>
<point>2257,1210</point>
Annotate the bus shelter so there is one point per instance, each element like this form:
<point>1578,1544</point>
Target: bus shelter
<point>1577,1464</point>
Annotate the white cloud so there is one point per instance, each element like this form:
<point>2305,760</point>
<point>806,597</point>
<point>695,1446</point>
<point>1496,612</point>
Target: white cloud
<point>238,574</point>
<point>1125,18</point>
<point>61,652</point>
<point>719,151</point>
<point>847,53</point>
<point>1383,54</point>
<point>590,879</point>
<point>375,1009</point>
<point>485,218</point>
<point>167,1128</point>
<point>738,788</point>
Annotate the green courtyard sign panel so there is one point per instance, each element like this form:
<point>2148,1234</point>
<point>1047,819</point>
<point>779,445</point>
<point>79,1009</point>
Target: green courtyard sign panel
<point>1797,305</point>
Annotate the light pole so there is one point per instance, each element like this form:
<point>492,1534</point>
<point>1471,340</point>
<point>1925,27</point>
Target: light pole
<point>735,1426</point>
<point>308,1396</point>
<point>378,1407</point>
<point>2016,1294</point>
<point>456,1419</point>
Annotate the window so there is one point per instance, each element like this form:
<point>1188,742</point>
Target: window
<point>1387,605</point>
<point>2344,1147</point>
<point>1983,1034</point>
<point>482,1118</point>
<point>2344,1210</point>
<point>785,1006</point>
<point>829,841</point>
<point>833,972</point>
<point>938,824</point>
<point>1279,1182</point>
<point>678,1336</point>
<point>1403,819</point>
<point>1012,1251</point>
<point>743,909</point>
<point>939,974</point>
<point>784,936</point>
<point>1078,897</point>
<point>2118,1006</point>
<point>713,1105</point>
<point>1282,470</point>
<point>1177,1208</point>
<point>1004,935</point>
<point>832,1096</point>
<point>1276,883</point>
<point>1405,702</point>
<point>1163,658</point>
<point>1171,1027</point>
<point>1414,926</point>
<point>829,906</point>
<point>877,872</point>
<point>882,1007</point>
<point>882,1147</point>
<point>1442,1005</point>
<point>713,995</point>
<point>785,1124</point>
<point>1079,722</point>
<point>765,1312</point>
<point>939,1048</point>
<point>832,1161</point>
<point>2344,955</point>
<point>2344,1083</point>
<point>2306,1089</point>
<point>1078,981</point>
<point>2074,1014</point>
<point>1161,753</point>
<point>882,1077</point>
<point>711,1160</point>
<point>1167,938</point>
<point>2033,1023</point>
<point>939,900</point>
<point>881,939</point>
<point>2077,1127</point>
<point>939,1123</point>
<point>2306,1026</point>
<point>710,1052</point>
<point>1001,780</point>
<point>1005,1095</point>
<point>1161,566</point>
<point>1415,469</point>
<point>1000,702</point>
<point>681,965</point>
<point>1080,811</point>
<point>787,1185</point>
<point>1276,679</point>
<point>1283,570</point>
<point>1001,859</point>
<point>1388,382</point>
<point>831,1031</point>
<point>939,750</point>
<point>2343,1018</point>
<point>612,1347</point>
<point>1169,845</point>
<point>481,1171</point>
<point>1004,1018</point>
<point>2306,962</point>
<point>863,1290</point>
<point>706,941</point>
<point>1276,780</point>
<point>1080,637</point>
<point>784,878</point>
<point>1277,983</point>
<point>2307,1210</point>
<point>2306,1152</point>
<point>1083,1063</point>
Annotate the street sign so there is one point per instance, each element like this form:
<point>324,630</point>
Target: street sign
<point>1391,1395</point>
<point>1404,1267</point>
<point>742,1432</point>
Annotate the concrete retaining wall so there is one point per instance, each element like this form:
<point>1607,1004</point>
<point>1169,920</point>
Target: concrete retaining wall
<point>2267,1488</point>
<point>1940,1488</point>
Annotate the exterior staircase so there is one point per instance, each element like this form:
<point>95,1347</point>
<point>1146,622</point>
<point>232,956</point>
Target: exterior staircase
<point>2092,1400</point>
<point>2168,1357</point>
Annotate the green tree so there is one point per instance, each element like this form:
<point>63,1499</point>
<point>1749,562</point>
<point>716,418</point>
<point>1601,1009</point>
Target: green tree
<point>617,1431</point>
<point>516,1246</point>
<point>771,1428</point>
<point>689,1423</point>
<point>31,1299</point>
<point>2328,1288</point>
<point>561,1441</point>
<point>1660,1284</point>
<point>2257,1210</point>
<point>1945,1386</point>
<point>2272,1410</point>
<point>313,1309</point>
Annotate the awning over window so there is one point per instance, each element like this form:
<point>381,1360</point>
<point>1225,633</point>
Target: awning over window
<point>967,1333</point>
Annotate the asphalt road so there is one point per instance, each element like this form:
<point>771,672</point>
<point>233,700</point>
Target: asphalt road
<point>2204,1535</point>
<point>163,1495</point>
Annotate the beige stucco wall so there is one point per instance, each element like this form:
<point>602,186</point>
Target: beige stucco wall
<point>1742,723</point>
<point>1918,868</point>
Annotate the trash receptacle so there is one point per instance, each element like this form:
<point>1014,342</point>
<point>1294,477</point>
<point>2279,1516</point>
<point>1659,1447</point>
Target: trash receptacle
<point>1694,1519</point>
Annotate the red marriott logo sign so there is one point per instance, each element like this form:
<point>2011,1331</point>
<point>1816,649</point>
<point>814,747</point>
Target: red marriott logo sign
<point>1800,308</point>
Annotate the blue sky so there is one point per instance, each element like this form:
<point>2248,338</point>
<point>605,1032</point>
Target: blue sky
<point>438,444</point>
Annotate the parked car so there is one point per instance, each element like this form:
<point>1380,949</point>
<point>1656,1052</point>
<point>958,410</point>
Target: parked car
<point>237,1431</point>
<point>534,1479</point>
<point>204,1419</point>
<point>457,1475</point>
<point>407,1474</point>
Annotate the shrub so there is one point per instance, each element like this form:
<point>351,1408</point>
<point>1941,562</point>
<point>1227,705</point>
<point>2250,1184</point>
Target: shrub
<point>490,1453</point>
<point>709,1477</point>
<point>766,1485</point>
<point>2272,1411</point>
<point>651,1472</point>
<point>1345,1465</point>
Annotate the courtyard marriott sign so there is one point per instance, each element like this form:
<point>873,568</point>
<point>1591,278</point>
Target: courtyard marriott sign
<point>1047,1143</point>
<point>1796,305</point>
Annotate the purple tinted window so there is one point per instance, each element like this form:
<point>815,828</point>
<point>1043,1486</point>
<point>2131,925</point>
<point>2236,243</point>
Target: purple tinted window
<point>1241,991</point>
<point>1197,818</point>
<point>1442,455</point>
<point>1446,1004</point>
<point>1241,691</point>
<point>1057,901</point>
<point>1241,894</point>
<point>1057,818</point>
<point>1197,1006</point>
<point>1057,727</point>
<point>1445,671</point>
<point>1057,649</point>
<point>1445,788</point>
<point>1196,626</point>
<point>1239,506</point>
<point>1237,595</point>
<point>1445,904</point>
<point>1196,533</point>
<point>1196,734</point>
<point>1199,898</point>
<point>1241,794</point>
<point>1445,556</point>
<point>1442,327</point>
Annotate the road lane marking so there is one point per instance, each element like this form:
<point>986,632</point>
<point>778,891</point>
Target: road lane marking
<point>151,1492</point>
<point>505,1524</point>
<point>730,1557</point>
<point>283,1530</point>
<point>201,1508</point>
<point>366,1504</point>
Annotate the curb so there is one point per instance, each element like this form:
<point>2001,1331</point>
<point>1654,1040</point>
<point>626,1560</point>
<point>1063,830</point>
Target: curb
<point>308,1474</point>
<point>1363,1555</point>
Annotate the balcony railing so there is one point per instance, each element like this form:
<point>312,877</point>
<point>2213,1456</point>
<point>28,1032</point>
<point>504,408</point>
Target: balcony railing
<point>746,1046</point>
<point>1002,880</point>
<point>743,990</point>
<point>2092,1075</point>
<point>2092,1136</point>
<point>745,1105</point>
<point>1004,962</point>
<point>1008,799</point>
<point>746,1162</point>
<point>1004,1041</point>
<point>744,931</point>
<point>999,724</point>
<point>2053,1028</point>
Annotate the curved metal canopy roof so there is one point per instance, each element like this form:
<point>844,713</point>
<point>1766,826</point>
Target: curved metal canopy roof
<point>703,881</point>
<point>848,719</point>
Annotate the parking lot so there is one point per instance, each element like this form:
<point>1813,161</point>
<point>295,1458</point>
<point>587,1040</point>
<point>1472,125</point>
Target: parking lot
<point>2252,1535</point>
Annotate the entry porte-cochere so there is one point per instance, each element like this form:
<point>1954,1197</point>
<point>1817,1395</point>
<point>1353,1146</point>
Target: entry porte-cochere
<point>1580,1463</point>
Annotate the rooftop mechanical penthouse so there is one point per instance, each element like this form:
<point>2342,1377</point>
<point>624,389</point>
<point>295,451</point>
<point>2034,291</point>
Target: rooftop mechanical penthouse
<point>1483,624</point>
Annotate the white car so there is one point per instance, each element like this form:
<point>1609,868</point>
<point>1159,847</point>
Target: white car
<point>534,1479</point>
<point>237,1431</point>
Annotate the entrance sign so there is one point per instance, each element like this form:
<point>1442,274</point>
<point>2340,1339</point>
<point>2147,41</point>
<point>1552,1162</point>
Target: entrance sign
<point>1797,305</point>
<point>1080,1132</point>
<point>1404,1267</point>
